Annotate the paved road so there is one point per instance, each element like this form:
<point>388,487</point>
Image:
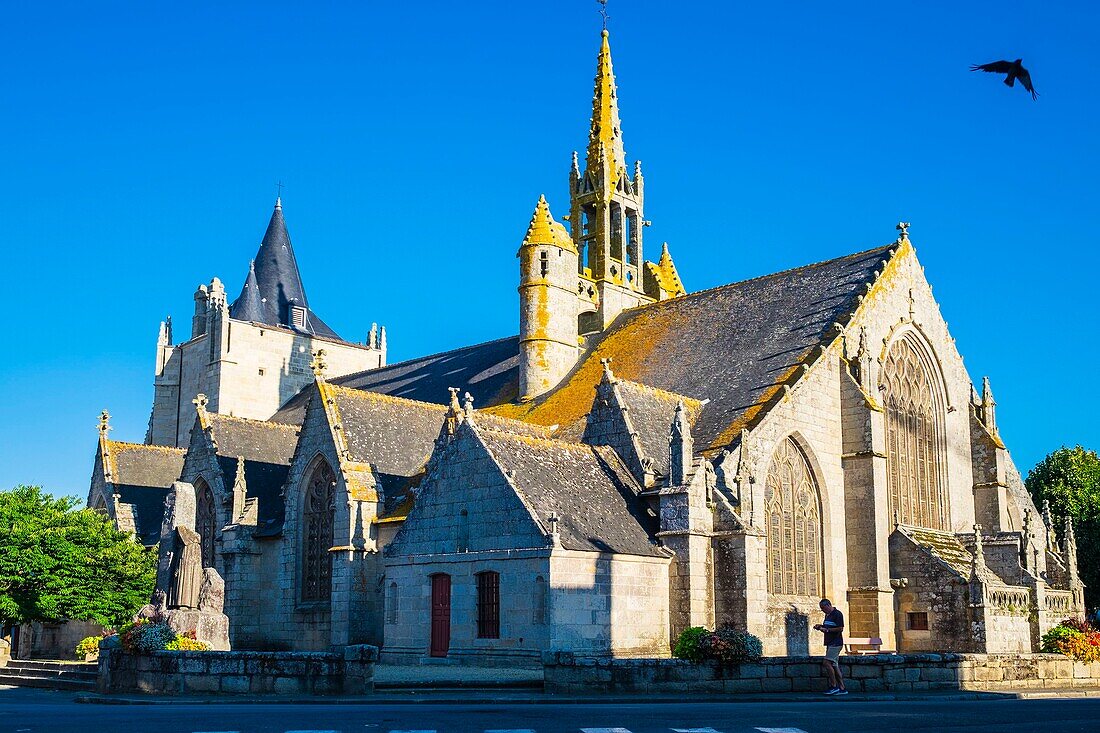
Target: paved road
<point>56,713</point>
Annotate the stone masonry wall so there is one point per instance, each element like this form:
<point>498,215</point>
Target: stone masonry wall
<point>261,368</point>
<point>349,672</point>
<point>565,673</point>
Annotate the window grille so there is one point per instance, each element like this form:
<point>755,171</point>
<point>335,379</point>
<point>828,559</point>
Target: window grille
<point>488,605</point>
<point>317,534</point>
<point>793,524</point>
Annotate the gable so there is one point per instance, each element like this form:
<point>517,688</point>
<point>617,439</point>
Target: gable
<point>466,478</point>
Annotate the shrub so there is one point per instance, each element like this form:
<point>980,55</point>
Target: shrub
<point>145,637</point>
<point>1074,639</point>
<point>687,645</point>
<point>186,644</point>
<point>731,646</point>
<point>88,645</point>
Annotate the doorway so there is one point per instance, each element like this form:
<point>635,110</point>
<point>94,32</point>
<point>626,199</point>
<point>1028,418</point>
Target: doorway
<point>441,615</point>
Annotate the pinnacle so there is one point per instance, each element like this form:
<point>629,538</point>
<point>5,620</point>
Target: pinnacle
<point>544,230</point>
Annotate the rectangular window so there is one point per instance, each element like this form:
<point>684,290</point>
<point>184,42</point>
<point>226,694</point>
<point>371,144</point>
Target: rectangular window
<point>488,605</point>
<point>917,621</point>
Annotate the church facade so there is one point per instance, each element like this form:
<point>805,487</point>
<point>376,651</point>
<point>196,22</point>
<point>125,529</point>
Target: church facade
<point>638,460</point>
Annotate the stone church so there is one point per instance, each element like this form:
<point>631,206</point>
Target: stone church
<point>638,460</point>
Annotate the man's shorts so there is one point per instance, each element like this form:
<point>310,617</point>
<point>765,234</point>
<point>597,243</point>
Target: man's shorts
<point>832,655</point>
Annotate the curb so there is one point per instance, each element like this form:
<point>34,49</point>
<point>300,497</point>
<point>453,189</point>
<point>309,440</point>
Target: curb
<point>418,697</point>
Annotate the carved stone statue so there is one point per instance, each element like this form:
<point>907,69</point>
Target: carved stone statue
<point>186,573</point>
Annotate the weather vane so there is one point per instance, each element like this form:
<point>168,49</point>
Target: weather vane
<point>603,12</point>
<point>279,186</point>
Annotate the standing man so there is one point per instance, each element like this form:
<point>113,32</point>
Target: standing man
<point>833,628</point>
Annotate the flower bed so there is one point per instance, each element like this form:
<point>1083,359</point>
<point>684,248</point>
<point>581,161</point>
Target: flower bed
<point>1074,638</point>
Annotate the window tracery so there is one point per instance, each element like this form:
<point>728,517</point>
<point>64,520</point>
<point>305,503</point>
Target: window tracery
<point>794,524</point>
<point>206,521</point>
<point>318,508</point>
<point>914,440</point>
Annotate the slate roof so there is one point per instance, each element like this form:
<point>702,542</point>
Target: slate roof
<point>267,448</point>
<point>736,345</point>
<point>277,283</point>
<point>488,371</point>
<point>395,435</point>
<point>948,549</point>
<point>587,487</point>
<point>141,475</point>
<point>651,412</point>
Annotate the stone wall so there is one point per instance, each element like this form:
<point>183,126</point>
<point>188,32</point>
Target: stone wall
<point>256,369</point>
<point>350,672</point>
<point>565,673</point>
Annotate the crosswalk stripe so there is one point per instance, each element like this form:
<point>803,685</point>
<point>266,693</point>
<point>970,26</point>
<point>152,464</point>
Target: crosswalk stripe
<point>695,730</point>
<point>509,730</point>
<point>605,730</point>
<point>781,730</point>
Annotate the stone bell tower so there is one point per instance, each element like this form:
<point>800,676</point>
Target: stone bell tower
<point>606,211</point>
<point>572,286</point>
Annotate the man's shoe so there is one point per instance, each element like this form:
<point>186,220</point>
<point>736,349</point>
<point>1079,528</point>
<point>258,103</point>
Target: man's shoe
<point>832,691</point>
<point>841,692</point>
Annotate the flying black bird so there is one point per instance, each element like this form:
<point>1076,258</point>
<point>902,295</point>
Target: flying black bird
<point>1014,70</point>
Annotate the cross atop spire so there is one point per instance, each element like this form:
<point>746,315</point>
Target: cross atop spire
<point>605,136</point>
<point>274,283</point>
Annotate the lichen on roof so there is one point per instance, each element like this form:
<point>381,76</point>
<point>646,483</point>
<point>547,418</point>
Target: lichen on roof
<point>737,345</point>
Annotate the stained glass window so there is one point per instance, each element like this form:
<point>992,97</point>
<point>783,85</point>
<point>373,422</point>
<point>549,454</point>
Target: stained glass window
<point>914,435</point>
<point>206,521</point>
<point>793,524</point>
<point>318,508</point>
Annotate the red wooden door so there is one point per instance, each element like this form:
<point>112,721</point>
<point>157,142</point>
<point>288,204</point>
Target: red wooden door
<point>441,615</point>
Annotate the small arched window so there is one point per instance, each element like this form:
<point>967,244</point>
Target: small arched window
<point>544,263</point>
<point>794,524</point>
<point>463,531</point>
<point>318,507</point>
<point>206,521</point>
<point>541,601</point>
<point>914,439</point>
<point>391,603</point>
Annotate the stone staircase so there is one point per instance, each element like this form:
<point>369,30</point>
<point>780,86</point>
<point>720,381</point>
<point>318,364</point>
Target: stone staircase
<point>77,676</point>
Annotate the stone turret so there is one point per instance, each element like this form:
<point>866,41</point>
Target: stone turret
<point>548,304</point>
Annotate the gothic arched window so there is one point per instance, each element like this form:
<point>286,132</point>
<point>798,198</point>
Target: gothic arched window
<point>794,524</point>
<point>914,440</point>
<point>206,521</point>
<point>318,507</point>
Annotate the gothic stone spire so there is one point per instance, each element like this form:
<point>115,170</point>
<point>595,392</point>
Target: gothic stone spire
<point>605,136</point>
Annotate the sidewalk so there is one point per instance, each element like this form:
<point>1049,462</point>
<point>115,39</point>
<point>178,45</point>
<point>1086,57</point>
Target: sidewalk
<point>454,677</point>
<point>515,697</point>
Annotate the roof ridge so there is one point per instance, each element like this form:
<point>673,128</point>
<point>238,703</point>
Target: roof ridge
<point>659,391</point>
<point>369,394</point>
<point>254,421</point>
<point>788,271</point>
<point>528,438</point>
<point>145,446</point>
<point>445,352</point>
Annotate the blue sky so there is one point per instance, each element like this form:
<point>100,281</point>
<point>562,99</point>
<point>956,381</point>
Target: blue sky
<point>140,147</point>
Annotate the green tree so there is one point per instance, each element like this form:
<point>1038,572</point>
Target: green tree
<point>1069,478</point>
<point>60,562</point>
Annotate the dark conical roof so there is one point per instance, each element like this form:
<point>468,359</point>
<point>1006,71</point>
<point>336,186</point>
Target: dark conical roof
<point>249,306</point>
<point>274,283</point>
